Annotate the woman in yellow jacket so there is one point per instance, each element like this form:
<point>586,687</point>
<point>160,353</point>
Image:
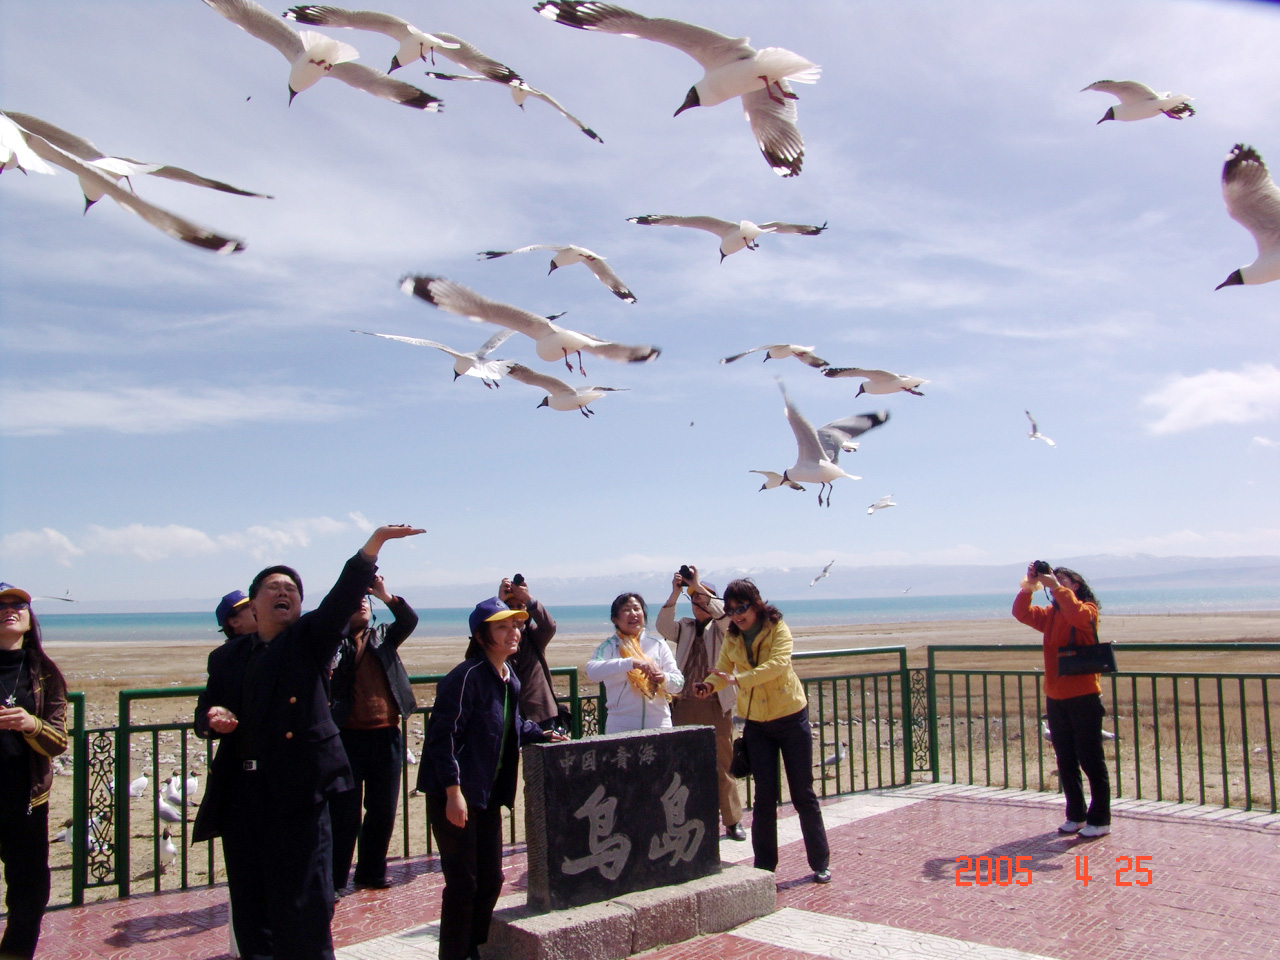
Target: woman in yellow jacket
<point>756,658</point>
<point>1073,703</point>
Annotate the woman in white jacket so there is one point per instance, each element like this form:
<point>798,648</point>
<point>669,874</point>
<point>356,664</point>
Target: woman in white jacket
<point>638,670</point>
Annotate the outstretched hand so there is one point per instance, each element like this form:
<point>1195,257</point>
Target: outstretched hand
<point>389,531</point>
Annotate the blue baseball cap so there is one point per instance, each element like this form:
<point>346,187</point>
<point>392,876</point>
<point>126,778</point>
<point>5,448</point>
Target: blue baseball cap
<point>488,611</point>
<point>231,603</point>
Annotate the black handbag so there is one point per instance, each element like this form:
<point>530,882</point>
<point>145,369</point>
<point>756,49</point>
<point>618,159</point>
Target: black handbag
<point>1076,659</point>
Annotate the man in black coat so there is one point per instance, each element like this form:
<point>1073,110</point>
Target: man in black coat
<point>280,759</point>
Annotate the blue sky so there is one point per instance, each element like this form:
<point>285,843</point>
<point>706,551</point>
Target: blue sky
<point>172,420</point>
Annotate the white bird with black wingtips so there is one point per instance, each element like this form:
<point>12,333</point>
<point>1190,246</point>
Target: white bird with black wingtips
<point>560,396</point>
<point>878,381</point>
<point>1254,202</point>
<point>476,364</point>
<point>552,342</point>
<point>882,504</point>
<point>313,56</point>
<point>568,254</point>
<point>773,480</point>
<point>14,152</point>
<point>838,435</point>
<point>1034,433</point>
<point>780,351</point>
<point>826,572</point>
<point>733,236</point>
<point>812,463</point>
<point>1140,102</point>
<point>733,68</point>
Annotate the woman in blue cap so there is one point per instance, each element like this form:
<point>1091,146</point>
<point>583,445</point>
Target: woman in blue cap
<point>468,774</point>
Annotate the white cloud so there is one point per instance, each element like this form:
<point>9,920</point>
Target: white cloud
<point>1217,396</point>
<point>264,542</point>
<point>363,523</point>
<point>32,410</point>
<point>32,544</point>
<point>148,542</point>
<point>1195,543</point>
<point>1266,442</point>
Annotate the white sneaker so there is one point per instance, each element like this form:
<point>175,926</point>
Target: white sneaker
<point>1089,830</point>
<point>1071,826</point>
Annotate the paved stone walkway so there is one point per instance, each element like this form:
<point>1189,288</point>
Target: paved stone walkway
<point>1213,891</point>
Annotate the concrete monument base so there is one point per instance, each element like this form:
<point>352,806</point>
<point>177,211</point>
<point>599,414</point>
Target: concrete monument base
<point>634,922</point>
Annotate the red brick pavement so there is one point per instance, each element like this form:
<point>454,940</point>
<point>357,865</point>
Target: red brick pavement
<point>1214,891</point>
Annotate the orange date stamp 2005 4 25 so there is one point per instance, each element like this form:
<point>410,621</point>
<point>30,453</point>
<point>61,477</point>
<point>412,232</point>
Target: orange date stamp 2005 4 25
<point>1008,871</point>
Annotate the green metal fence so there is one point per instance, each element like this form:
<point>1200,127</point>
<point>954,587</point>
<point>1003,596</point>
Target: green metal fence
<point>1200,737</point>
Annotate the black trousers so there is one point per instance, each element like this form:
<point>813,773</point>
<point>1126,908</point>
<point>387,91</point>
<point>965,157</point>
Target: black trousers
<point>789,736</point>
<point>471,858</point>
<point>280,876</point>
<point>1075,729</point>
<point>24,848</point>
<point>376,757</point>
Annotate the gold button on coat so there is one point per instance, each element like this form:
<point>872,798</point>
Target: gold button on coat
<point>289,735</point>
<point>293,699</point>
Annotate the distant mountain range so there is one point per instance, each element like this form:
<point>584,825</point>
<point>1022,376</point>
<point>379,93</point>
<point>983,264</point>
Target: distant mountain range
<point>1104,571</point>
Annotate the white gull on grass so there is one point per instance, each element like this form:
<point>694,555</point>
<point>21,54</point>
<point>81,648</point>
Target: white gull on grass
<point>813,465</point>
<point>475,364</point>
<point>1254,202</point>
<point>552,342</point>
<point>732,68</point>
<point>560,396</point>
<point>878,381</point>
<point>313,56</point>
<point>115,168</point>
<point>1140,102</point>
<point>568,254</point>
<point>733,236</point>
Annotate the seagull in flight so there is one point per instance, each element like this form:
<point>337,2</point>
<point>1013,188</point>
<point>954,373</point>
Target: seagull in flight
<point>552,342</point>
<point>170,223</point>
<point>1140,102</point>
<point>812,463</point>
<point>878,381</point>
<point>1254,202</point>
<point>14,152</point>
<point>826,572</point>
<point>881,504</point>
<point>115,168</point>
<point>1035,433</point>
<point>780,351</point>
<point>475,364</point>
<point>733,236</point>
<point>416,44</point>
<point>838,435</point>
<point>732,68</point>
<point>773,480</point>
<point>313,56</point>
<point>561,396</point>
<point>567,254</point>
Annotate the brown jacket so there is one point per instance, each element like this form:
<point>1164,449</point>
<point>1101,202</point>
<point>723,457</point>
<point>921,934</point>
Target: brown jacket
<point>50,735</point>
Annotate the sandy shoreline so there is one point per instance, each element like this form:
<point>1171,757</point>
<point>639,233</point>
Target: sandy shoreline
<point>102,669</point>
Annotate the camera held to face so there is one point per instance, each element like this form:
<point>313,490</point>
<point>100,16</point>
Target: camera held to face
<point>1040,568</point>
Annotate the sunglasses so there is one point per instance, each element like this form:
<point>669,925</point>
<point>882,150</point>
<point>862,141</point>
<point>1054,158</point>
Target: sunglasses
<point>737,611</point>
<point>13,604</point>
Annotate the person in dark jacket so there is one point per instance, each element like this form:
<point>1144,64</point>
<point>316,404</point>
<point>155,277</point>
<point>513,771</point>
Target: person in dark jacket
<point>468,774</point>
<point>280,759</point>
<point>33,730</point>
<point>368,695</point>
<point>537,694</point>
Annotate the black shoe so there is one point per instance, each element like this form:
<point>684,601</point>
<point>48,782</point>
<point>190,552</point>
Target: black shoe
<point>736,832</point>
<point>822,876</point>
<point>382,884</point>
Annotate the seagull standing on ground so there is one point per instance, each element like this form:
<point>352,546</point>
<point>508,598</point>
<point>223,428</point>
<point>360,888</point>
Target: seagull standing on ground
<point>313,56</point>
<point>733,236</point>
<point>1035,433</point>
<point>881,504</point>
<point>475,364</point>
<point>878,381</point>
<point>560,396</point>
<point>812,464</point>
<point>1254,202</point>
<point>553,342</point>
<point>780,351</point>
<point>138,787</point>
<point>733,68</point>
<point>568,254</point>
<point>1140,102</point>
<point>826,572</point>
<point>416,44</point>
<point>116,168</point>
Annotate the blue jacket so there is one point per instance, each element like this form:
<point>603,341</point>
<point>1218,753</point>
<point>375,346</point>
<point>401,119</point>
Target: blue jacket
<point>464,737</point>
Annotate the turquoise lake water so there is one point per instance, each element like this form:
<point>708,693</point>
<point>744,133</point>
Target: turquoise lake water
<point>594,618</point>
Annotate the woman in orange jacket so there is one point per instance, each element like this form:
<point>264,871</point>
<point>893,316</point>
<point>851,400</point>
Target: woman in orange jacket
<point>1073,703</point>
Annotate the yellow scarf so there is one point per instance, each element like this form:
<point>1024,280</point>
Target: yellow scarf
<point>639,680</point>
